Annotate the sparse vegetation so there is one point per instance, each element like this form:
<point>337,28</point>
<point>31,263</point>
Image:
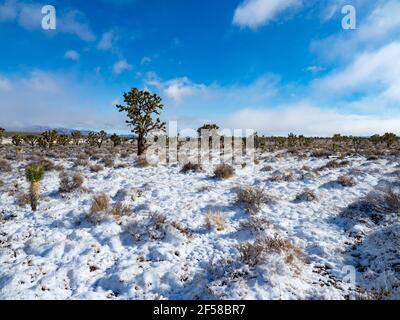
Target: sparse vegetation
<point>346,181</point>
<point>212,219</point>
<point>224,171</point>
<point>34,174</point>
<point>70,183</point>
<point>252,199</point>
<point>191,167</point>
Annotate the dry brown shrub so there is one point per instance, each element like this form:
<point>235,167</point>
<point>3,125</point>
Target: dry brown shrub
<point>252,199</point>
<point>224,171</point>
<point>213,218</point>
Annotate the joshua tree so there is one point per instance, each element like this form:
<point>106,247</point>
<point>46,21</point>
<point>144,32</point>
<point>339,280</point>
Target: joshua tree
<point>41,142</point>
<point>34,173</point>
<point>208,129</point>
<point>16,140</point>
<point>76,136</point>
<point>389,138</point>
<point>2,130</point>
<point>116,140</point>
<point>101,137</point>
<point>292,140</point>
<point>141,107</point>
<point>356,143</point>
<point>63,140</point>
<point>31,140</point>
<point>376,139</point>
<point>50,137</point>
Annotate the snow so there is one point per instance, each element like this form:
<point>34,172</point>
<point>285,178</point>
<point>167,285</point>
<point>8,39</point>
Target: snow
<point>57,253</point>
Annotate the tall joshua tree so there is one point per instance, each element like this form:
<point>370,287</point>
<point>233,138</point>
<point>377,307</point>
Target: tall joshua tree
<point>50,137</point>
<point>2,130</point>
<point>143,110</point>
<point>76,136</point>
<point>34,173</point>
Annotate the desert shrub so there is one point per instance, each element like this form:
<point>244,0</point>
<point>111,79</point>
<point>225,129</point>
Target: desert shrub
<point>99,207</point>
<point>70,183</point>
<point>96,168</point>
<point>256,224</point>
<point>279,177</point>
<point>306,168</point>
<point>251,199</point>
<point>266,169</point>
<point>254,253</point>
<point>142,163</point>
<point>81,163</point>
<point>119,210</point>
<point>224,171</point>
<point>121,166</point>
<point>23,200</point>
<point>346,181</point>
<point>179,227</point>
<point>214,219</point>
<point>307,196</point>
<point>385,201</point>
<point>4,166</point>
<point>108,162</point>
<point>191,167</point>
<point>1,183</point>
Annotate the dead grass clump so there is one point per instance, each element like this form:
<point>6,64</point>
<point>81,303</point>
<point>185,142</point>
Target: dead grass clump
<point>119,210</point>
<point>96,168</point>
<point>108,162</point>
<point>346,181</point>
<point>214,219</point>
<point>256,224</point>
<point>385,201</point>
<point>280,177</point>
<point>185,231</point>
<point>99,207</point>
<point>254,253</point>
<point>70,183</point>
<point>224,171</point>
<point>191,167</point>
<point>81,163</point>
<point>4,166</point>
<point>251,199</point>
<point>306,196</point>
<point>266,169</point>
<point>23,200</point>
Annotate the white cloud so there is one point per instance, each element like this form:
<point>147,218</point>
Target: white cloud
<point>307,119</point>
<point>121,66</point>
<point>107,40</point>
<point>370,72</point>
<point>72,54</point>
<point>5,84</point>
<point>29,16</point>
<point>255,13</point>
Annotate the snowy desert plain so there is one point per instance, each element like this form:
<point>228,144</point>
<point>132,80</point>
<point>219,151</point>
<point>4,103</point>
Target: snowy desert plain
<point>296,223</point>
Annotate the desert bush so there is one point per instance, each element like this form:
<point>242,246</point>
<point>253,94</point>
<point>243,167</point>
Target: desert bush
<point>99,207</point>
<point>254,253</point>
<point>108,162</point>
<point>346,181</point>
<point>224,171</point>
<point>256,224</point>
<point>70,183</point>
<point>191,167</point>
<point>4,166</point>
<point>142,163</point>
<point>81,163</point>
<point>119,210</point>
<point>96,168</point>
<point>251,199</point>
<point>1,183</point>
<point>385,201</point>
<point>266,169</point>
<point>307,195</point>
<point>23,200</point>
<point>279,177</point>
<point>214,219</point>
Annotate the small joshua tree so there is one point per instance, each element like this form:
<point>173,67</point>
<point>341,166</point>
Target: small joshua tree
<point>77,137</point>
<point>50,137</point>
<point>101,137</point>
<point>2,130</point>
<point>143,110</point>
<point>31,140</point>
<point>34,174</point>
<point>16,140</point>
<point>63,140</point>
<point>116,140</point>
<point>389,138</point>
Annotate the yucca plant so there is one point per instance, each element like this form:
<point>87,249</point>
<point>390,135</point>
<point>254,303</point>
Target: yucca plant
<point>50,137</point>
<point>34,174</point>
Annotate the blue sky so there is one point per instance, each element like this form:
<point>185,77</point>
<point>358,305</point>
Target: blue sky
<point>275,66</point>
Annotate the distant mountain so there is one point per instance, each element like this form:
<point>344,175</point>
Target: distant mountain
<point>40,129</point>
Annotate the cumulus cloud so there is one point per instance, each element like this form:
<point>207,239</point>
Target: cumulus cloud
<point>304,118</point>
<point>107,40</point>
<point>72,55</point>
<point>121,66</point>
<point>256,13</point>
<point>29,16</point>
<point>5,84</point>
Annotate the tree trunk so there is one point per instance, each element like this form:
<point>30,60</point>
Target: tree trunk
<point>141,145</point>
<point>34,195</point>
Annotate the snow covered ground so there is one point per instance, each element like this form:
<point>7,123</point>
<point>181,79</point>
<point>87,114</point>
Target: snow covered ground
<point>58,253</point>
